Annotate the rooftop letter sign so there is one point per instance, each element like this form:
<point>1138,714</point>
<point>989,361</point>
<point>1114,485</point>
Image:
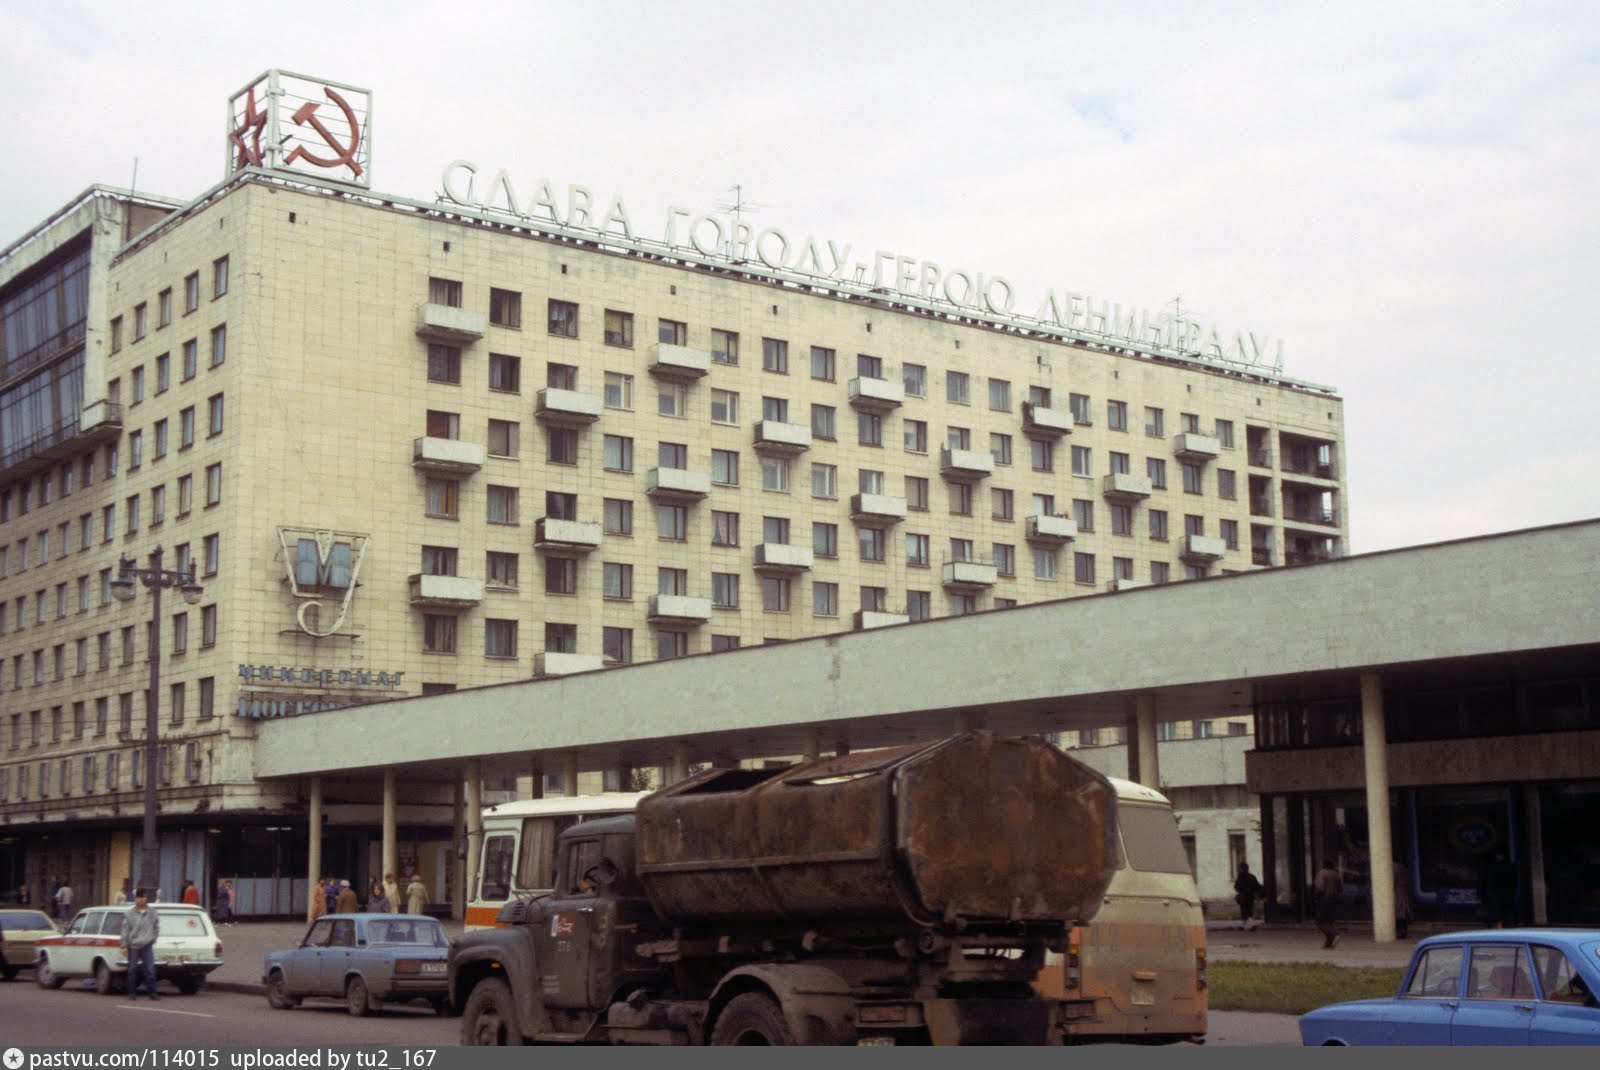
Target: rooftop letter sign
<point>311,126</point>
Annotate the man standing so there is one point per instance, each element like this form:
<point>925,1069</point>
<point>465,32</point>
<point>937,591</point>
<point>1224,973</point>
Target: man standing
<point>1246,890</point>
<point>139,932</point>
<point>347,902</point>
<point>64,902</point>
<point>416,895</point>
<point>1328,887</point>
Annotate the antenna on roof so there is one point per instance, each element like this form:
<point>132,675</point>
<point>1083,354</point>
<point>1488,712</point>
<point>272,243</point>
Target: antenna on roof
<point>1180,326</point>
<point>738,206</point>
<point>134,188</point>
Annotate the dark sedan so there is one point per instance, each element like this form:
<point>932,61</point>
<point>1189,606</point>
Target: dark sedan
<point>1498,987</point>
<point>365,960</point>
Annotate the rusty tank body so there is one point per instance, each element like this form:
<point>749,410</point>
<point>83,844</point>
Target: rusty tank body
<point>970,830</point>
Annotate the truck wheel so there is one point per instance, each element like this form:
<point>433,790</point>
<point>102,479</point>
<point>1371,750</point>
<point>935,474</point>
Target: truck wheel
<point>44,975</point>
<point>490,1018</point>
<point>751,1019</point>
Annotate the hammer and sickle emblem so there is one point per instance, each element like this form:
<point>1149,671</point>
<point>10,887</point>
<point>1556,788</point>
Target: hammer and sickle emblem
<point>307,114</point>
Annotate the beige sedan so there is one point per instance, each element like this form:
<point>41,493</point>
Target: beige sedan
<point>22,929</point>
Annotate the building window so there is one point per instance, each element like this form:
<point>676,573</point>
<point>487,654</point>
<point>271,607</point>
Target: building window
<point>163,373</point>
<point>672,522</point>
<point>619,391</point>
<point>775,474</point>
<point>443,498</point>
<point>1225,434</point>
<point>825,599</point>
<point>1155,422</point>
<point>824,539</point>
<point>1121,519</point>
<point>822,422</point>
<point>219,345</point>
<point>1117,415</point>
<point>219,277</point>
<point>724,406</point>
<point>135,449</point>
<point>213,483</point>
<point>505,372</point>
<point>1082,461</point>
<point>917,493</point>
<point>439,560</point>
<point>725,468</point>
<point>916,435</point>
<point>500,570</point>
<point>619,328</point>
<point>616,580</point>
<point>502,505</point>
<point>158,504</point>
<point>1083,513</point>
<point>563,318</point>
<point>560,575</point>
<point>1000,448</point>
<point>724,590</point>
<point>868,366</point>
<point>561,445</point>
<point>672,581</point>
<point>116,335</point>
<point>499,638</point>
<point>617,644</point>
<point>919,605</point>
<point>956,388</point>
<point>999,395</point>
<point>438,633</point>
<point>1083,568</point>
<point>775,409</point>
<point>724,347</point>
<point>1121,463</point>
<point>214,412</point>
<point>618,453</point>
<point>775,530</point>
<point>1044,563</point>
<point>871,542</point>
<point>1191,478</point>
<point>869,428</point>
<point>560,638</point>
<point>503,436</point>
<point>618,516</point>
<point>1230,533</point>
<point>1005,558</point>
<point>164,308</point>
<point>824,481</point>
<point>673,455</point>
<point>1156,469</point>
<point>211,554</point>
<point>915,377</point>
<point>775,594</point>
<point>917,550</point>
<point>191,292</point>
<point>823,364</point>
<point>672,332</point>
<point>671,645</point>
<point>505,308</point>
<point>1001,503</point>
<point>444,363</point>
<point>1227,486</point>
<point>1122,568</point>
<point>960,499</point>
<point>672,399</point>
<point>191,359</point>
<point>775,356</point>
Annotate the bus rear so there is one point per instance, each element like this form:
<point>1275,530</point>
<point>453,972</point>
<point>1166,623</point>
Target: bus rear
<point>1142,957</point>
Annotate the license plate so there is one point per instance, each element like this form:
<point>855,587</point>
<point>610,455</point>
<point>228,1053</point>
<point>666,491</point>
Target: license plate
<point>434,967</point>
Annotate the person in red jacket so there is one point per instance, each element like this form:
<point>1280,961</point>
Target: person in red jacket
<point>191,894</point>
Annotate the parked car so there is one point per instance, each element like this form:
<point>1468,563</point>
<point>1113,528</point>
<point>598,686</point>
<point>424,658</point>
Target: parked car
<point>1497,986</point>
<point>21,929</point>
<point>186,950</point>
<point>364,959</point>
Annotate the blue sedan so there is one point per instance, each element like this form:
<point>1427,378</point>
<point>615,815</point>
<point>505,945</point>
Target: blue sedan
<point>365,960</point>
<point>1498,986</point>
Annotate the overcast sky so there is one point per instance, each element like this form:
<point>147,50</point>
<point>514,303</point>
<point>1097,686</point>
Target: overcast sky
<point>1405,193</point>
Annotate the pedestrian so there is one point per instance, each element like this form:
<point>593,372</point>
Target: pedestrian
<point>139,932</point>
<point>222,905</point>
<point>24,896</point>
<point>318,900</point>
<point>330,889</point>
<point>125,893</point>
<point>1327,888</point>
<point>346,902</point>
<point>391,892</point>
<point>1499,890</point>
<point>64,902</point>
<point>1246,890</point>
<point>416,895</point>
<point>1402,899</point>
<point>377,902</point>
<point>191,894</point>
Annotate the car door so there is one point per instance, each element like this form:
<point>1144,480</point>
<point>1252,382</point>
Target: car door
<point>562,940</point>
<point>335,958</point>
<point>76,952</point>
<point>303,968</point>
<point>1429,1000</point>
<point>1568,1011</point>
<point>1497,1001</point>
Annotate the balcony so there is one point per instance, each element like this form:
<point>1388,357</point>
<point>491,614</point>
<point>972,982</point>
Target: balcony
<point>451,325</point>
<point>780,439</point>
<point>1045,423</point>
<point>969,576</point>
<point>566,408</point>
<point>553,533</point>
<point>1260,458</point>
<point>1051,530</point>
<point>965,466</point>
<point>677,485</point>
<point>1261,555</point>
<point>1125,487</point>
<point>671,361</point>
<point>447,456</point>
<point>1128,585</point>
<point>872,618</point>
<point>1202,549</point>
<point>678,609</point>
<point>559,663</point>
<point>876,395</point>
<point>1192,447</point>
<point>874,510</point>
<point>100,421</point>
<point>445,592</point>
<point>1325,518</point>
<point>781,559</point>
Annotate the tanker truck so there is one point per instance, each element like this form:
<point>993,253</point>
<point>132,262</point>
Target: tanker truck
<point>898,896</point>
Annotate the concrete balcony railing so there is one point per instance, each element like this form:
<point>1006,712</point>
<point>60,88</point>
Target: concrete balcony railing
<point>1051,530</point>
<point>965,466</point>
<point>678,609</point>
<point>1203,548</point>
<point>561,663</point>
<point>1125,487</point>
<point>1045,423</point>
<point>877,509</point>
<point>566,408</point>
<point>1192,447</point>
<point>446,323</point>
<point>871,618</point>
<point>781,439</point>
<point>447,456</point>
<point>671,361</point>
<point>781,559</point>
<point>876,395</point>
<point>554,533</point>
<point>677,484</point>
<point>969,575</point>
<point>445,592</point>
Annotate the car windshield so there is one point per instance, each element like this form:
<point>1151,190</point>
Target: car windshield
<point>406,931</point>
<point>21,920</point>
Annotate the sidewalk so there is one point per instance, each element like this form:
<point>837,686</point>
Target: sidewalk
<point>246,943</point>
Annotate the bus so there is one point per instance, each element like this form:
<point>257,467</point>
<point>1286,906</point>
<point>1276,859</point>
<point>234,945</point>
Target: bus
<point>1142,957</point>
<point>518,856</point>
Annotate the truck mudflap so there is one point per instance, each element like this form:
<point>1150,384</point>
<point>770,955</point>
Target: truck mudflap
<point>1001,1021</point>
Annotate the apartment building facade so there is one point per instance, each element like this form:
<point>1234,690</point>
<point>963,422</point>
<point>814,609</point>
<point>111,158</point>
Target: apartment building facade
<point>410,448</point>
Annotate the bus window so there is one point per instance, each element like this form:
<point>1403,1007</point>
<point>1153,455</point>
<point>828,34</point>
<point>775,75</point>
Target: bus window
<point>1147,836</point>
<point>538,862</point>
<point>498,851</point>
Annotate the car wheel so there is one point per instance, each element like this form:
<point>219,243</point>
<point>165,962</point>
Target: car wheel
<point>188,986</point>
<point>103,980</point>
<point>278,996</point>
<point>490,1017</point>
<point>751,1019</point>
<point>358,998</point>
<point>44,975</point>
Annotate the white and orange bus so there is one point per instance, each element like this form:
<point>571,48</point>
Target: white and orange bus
<point>1142,957</point>
<point>518,856</point>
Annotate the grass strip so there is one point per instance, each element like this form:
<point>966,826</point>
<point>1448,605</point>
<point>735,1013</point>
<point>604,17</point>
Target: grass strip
<point>1294,987</point>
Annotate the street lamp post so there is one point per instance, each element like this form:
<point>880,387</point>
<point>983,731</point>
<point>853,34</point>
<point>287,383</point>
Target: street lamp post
<point>123,588</point>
